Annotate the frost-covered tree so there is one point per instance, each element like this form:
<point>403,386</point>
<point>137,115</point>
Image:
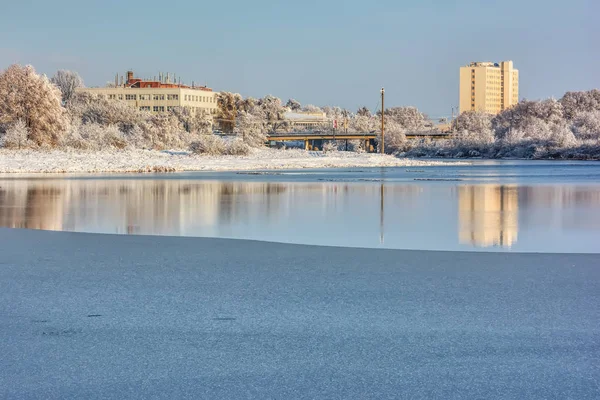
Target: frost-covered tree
<point>473,132</point>
<point>33,99</point>
<point>574,103</point>
<point>364,112</point>
<point>166,132</point>
<point>89,108</point>
<point>586,125</point>
<point>227,106</point>
<point>94,137</point>
<point>534,119</point>
<point>309,108</point>
<point>362,123</point>
<point>248,104</point>
<point>271,109</point>
<point>251,129</point>
<point>475,123</point>
<point>409,118</point>
<point>333,112</point>
<point>198,122</point>
<point>293,105</point>
<point>16,136</point>
<point>67,82</point>
<point>395,137</point>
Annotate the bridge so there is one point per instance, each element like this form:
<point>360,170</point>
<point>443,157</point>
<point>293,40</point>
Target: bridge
<point>314,140</point>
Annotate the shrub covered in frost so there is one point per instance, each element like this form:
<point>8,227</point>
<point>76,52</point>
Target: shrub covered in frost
<point>16,137</point>
<point>330,146</point>
<point>237,147</point>
<point>95,137</point>
<point>93,109</point>
<point>208,144</point>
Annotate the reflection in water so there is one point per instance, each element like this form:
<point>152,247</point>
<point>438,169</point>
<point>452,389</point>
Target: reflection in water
<point>488,215</point>
<point>359,214</point>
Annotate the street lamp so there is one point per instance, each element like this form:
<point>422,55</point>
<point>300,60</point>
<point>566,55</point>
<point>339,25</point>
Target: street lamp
<point>382,123</point>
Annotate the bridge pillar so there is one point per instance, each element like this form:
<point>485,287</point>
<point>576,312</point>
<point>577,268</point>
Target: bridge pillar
<point>367,146</point>
<point>305,144</point>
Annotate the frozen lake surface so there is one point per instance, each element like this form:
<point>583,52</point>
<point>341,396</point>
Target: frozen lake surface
<point>518,206</point>
<point>88,316</point>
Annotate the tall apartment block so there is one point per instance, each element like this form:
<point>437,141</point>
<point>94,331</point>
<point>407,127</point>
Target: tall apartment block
<point>488,87</point>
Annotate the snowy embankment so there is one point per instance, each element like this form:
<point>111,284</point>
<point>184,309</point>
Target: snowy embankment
<point>57,161</point>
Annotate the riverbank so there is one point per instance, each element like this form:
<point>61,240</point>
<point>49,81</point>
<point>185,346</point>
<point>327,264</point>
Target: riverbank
<point>103,316</point>
<point>58,161</point>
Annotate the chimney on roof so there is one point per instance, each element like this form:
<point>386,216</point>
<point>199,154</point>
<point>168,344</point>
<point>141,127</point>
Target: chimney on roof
<point>129,76</point>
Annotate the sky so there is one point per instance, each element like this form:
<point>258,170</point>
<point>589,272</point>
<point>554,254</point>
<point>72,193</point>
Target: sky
<point>318,52</point>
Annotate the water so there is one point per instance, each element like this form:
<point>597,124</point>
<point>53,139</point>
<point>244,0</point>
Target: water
<point>526,206</point>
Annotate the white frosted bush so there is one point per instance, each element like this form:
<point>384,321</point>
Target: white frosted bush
<point>208,144</point>
<point>329,146</point>
<point>16,137</point>
<point>237,147</point>
<point>356,146</point>
<point>95,137</point>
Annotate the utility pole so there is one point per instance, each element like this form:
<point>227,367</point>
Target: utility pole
<point>382,121</point>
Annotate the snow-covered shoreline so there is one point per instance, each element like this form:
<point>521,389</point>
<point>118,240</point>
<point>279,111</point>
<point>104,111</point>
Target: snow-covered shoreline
<point>60,161</point>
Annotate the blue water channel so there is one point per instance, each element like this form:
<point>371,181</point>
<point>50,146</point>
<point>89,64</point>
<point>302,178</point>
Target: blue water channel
<point>518,206</point>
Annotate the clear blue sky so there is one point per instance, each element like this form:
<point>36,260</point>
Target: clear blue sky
<point>322,53</point>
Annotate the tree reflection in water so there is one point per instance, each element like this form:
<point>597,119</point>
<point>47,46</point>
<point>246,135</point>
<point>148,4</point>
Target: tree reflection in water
<point>410,215</point>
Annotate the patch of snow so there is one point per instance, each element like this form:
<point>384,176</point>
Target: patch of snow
<point>71,161</point>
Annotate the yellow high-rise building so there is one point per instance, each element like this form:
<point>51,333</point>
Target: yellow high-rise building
<point>488,87</point>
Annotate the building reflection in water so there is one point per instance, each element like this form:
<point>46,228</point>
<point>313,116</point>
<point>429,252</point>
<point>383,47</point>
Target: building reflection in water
<point>333,213</point>
<point>488,215</point>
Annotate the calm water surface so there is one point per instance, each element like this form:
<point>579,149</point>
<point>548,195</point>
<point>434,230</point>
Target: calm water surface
<point>531,206</point>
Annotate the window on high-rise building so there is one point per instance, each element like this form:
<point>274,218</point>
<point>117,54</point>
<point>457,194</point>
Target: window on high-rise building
<point>130,97</point>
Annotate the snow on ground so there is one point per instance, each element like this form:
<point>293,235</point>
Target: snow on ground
<point>57,161</point>
<point>135,317</point>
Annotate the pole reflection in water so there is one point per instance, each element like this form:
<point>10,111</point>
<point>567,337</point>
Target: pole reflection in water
<point>359,214</point>
<point>381,217</point>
